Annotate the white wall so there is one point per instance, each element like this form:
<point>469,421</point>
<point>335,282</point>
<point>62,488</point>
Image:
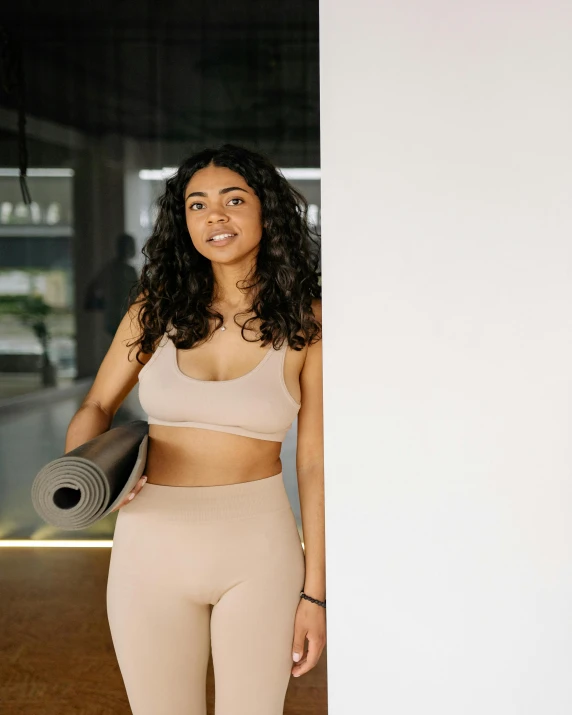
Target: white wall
<point>447,299</point>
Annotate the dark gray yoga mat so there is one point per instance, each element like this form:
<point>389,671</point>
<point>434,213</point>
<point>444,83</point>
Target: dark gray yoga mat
<point>84,485</point>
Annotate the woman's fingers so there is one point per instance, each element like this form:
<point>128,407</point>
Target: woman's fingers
<point>315,648</point>
<point>140,484</point>
<point>138,487</point>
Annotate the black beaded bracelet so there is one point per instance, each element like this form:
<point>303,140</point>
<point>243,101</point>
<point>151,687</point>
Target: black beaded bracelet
<point>314,600</point>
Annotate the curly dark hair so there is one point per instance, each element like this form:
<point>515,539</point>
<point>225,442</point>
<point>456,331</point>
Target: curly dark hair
<point>176,286</point>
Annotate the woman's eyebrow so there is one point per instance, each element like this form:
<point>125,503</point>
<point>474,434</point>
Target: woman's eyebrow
<point>222,191</point>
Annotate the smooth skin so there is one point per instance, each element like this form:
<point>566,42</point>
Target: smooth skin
<point>219,199</point>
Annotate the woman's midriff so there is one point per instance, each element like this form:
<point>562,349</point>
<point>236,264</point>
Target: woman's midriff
<point>190,456</point>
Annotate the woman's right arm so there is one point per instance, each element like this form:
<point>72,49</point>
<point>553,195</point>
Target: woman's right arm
<point>116,377</point>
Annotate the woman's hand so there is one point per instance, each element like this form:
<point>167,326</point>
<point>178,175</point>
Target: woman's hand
<point>310,623</point>
<point>138,487</point>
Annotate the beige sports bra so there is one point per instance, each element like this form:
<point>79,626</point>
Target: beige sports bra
<point>257,404</point>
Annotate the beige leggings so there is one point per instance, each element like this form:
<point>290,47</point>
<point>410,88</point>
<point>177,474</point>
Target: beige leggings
<point>177,552</point>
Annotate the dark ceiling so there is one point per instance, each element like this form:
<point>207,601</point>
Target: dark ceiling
<point>172,71</point>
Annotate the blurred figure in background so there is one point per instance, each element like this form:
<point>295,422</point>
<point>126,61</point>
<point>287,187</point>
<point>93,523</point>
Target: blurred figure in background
<point>109,290</point>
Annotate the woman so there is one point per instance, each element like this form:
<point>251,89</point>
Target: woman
<point>208,553</point>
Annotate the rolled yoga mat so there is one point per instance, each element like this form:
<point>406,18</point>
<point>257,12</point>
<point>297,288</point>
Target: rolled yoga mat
<point>84,485</point>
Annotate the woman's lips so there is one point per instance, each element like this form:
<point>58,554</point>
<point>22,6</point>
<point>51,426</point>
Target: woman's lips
<point>221,242</point>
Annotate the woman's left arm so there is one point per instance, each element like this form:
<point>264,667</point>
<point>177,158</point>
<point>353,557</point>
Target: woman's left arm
<point>310,617</point>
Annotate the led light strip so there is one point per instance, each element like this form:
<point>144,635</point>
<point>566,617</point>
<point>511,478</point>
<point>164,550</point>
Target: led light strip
<point>156,174</point>
<point>295,174</point>
<point>302,174</point>
<point>42,173</point>
<point>57,543</point>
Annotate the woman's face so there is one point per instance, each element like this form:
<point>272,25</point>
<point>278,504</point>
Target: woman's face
<point>218,201</point>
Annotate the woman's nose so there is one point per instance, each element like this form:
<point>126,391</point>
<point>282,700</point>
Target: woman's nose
<point>217,215</point>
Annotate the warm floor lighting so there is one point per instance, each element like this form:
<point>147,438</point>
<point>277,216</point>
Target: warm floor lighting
<point>58,543</point>
<point>61,544</point>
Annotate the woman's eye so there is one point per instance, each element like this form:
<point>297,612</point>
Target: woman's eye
<point>199,203</point>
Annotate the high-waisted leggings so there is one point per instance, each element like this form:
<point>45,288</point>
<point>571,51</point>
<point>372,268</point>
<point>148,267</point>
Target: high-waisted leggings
<point>195,569</point>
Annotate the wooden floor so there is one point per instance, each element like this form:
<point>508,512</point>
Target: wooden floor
<point>56,653</point>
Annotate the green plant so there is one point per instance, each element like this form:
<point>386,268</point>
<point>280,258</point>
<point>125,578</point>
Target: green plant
<point>32,310</point>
